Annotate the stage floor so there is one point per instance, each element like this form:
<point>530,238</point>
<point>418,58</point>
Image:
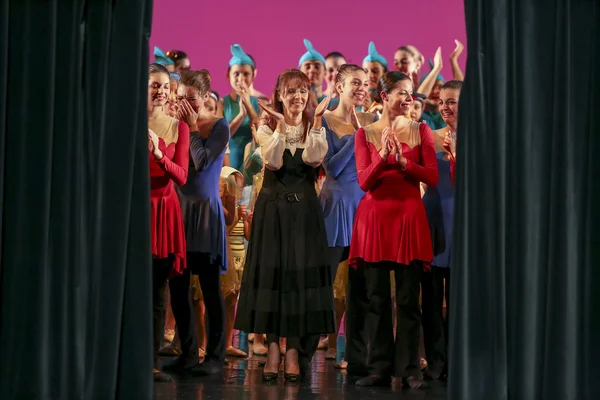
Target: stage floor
<point>242,379</point>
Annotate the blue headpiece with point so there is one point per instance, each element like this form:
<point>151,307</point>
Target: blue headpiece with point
<point>161,58</point>
<point>374,56</point>
<point>239,57</point>
<point>311,54</point>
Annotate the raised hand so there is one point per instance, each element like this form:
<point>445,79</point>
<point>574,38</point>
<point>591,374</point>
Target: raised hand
<point>322,107</point>
<point>272,113</point>
<point>187,113</point>
<point>354,118</point>
<point>450,144</point>
<point>242,91</point>
<point>457,51</point>
<point>243,111</point>
<point>153,144</point>
<point>242,212</point>
<point>437,59</point>
<point>249,217</point>
<point>277,117</point>
<point>386,146</point>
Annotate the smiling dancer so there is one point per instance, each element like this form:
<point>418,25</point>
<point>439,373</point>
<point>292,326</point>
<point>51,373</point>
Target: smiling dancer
<point>239,107</point>
<point>341,193</point>
<point>168,146</point>
<point>391,232</point>
<point>286,287</point>
<point>376,65</point>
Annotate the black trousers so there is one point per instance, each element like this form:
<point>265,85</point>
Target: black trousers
<point>387,357</point>
<point>160,273</point>
<point>357,308</point>
<point>435,327</point>
<point>209,275</point>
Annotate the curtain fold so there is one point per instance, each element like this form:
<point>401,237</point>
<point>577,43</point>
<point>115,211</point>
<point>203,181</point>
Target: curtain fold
<point>75,255</point>
<point>526,285</point>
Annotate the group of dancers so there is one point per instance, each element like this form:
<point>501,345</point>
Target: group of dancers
<point>278,216</point>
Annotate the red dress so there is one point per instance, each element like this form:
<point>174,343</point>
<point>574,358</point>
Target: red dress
<point>390,222</point>
<point>168,234</point>
<point>452,167</point>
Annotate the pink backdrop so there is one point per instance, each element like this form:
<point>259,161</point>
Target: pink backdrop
<point>206,29</point>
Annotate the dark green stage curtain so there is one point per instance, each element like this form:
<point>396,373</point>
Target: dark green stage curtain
<point>525,308</point>
<point>75,254</point>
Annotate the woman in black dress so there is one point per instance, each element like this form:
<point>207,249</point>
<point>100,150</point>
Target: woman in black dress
<point>286,287</point>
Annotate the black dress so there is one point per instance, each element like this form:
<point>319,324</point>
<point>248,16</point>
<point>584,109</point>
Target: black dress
<point>286,286</point>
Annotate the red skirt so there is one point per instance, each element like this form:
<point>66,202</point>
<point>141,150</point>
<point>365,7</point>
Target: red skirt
<point>391,229</point>
<point>168,233</point>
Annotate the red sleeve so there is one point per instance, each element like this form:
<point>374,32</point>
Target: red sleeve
<point>177,169</point>
<point>368,170</point>
<point>452,166</point>
<point>427,171</point>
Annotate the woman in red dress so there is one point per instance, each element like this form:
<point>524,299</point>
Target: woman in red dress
<point>391,232</point>
<point>169,147</point>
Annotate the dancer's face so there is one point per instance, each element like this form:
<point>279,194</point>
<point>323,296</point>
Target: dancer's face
<point>182,65</point>
<point>294,98</point>
<point>159,88</point>
<point>193,96</point>
<point>374,71</point>
<point>416,110</point>
<point>405,62</point>
<point>354,89</point>
<point>315,70</point>
<point>332,66</point>
<point>240,75</point>
<point>399,99</point>
<point>211,105</point>
<point>448,105</point>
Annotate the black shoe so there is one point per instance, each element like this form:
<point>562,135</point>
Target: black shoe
<point>162,377</point>
<point>180,364</point>
<point>207,368</point>
<point>292,378</point>
<point>270,376</point>
<point>356,371</point>
<point>413,382</point>
<point>430,375</point>
<point>375,380</point>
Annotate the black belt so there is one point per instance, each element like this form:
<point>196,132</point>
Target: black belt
<point>292,197</point>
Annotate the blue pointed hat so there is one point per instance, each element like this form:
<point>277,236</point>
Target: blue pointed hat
<point>439,77</point>
<point>239,57</point>
<point>161,58</point>
<point>311,54</point>
<point>374,56</point>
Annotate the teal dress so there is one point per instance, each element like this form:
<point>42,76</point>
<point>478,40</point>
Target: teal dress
<point>433,119</point>
<point>243,136</point>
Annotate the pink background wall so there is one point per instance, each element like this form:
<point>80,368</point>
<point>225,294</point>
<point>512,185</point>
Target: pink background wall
<point>272,31</point>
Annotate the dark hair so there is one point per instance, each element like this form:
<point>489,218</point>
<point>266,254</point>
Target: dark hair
<point>345,70</point>
<point>454,84</point>
<point>334,54</point>
<point>389,80</point>
<point>253,61</point>
<point>284,80</point>
<point>155,68</point>
<point>251,66</point>
<point>177,56</point>
<point>197,79</point>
